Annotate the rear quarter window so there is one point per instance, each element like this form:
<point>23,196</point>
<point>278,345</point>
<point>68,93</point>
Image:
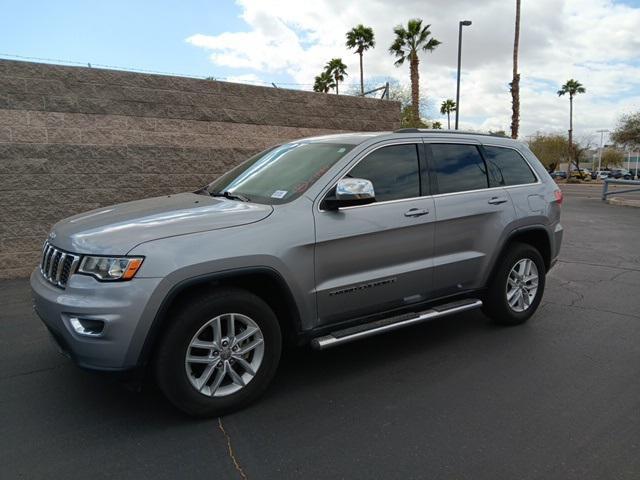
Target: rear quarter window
<point>507,167</point>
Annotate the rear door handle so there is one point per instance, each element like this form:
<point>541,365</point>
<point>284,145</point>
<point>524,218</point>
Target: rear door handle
<point>416,212</point>
<point>497,200</point>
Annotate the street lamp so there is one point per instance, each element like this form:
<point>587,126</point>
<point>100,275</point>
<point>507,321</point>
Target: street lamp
<point>462,23</point>
<point>601,132</point>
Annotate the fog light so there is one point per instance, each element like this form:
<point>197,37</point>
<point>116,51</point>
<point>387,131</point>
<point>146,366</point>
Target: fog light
<point>87,327</point>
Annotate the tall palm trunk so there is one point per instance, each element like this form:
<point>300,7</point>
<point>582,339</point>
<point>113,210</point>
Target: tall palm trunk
<point>361,76</point>
<point>337,93</point>
<point>571,149</point>
<point>448,120</point>
<point>415,92</point>
<point>515,82</point>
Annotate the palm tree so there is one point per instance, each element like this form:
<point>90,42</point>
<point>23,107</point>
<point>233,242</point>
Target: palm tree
<point>408,42</point>
<point>446,108</point>
<point>515,83</point>
<point>324,82</point>
<point>361,38</point>
<point>337,70</point>
<point>572,87</point>
<point>436,126</point>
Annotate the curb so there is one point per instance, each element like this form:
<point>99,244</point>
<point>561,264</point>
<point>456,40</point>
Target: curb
<point>624,202</point>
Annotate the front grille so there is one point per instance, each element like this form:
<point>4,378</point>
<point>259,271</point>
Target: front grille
<point>57,265</point>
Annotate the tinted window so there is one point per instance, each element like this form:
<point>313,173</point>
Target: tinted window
<point>393,170</point>
<point>507,167</point>
<point>458,168</point>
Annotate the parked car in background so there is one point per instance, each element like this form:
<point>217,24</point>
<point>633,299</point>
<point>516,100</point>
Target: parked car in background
<point>600,174</point>
<point>620,173</point>
<point>559,174</point>
<point>318,241</point>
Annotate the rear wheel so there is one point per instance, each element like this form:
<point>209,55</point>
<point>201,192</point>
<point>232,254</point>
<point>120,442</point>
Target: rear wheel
<point>219,353</point>
<point>516,289</point>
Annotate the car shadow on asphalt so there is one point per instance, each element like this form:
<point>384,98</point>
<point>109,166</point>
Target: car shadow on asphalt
<point>302,370</point>
<point>305,368</point>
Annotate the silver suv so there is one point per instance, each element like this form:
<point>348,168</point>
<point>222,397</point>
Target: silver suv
<point>319,241</point>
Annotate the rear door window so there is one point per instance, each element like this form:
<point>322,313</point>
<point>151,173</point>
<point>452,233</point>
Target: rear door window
<point>458,167</point>
<point>507,167</point>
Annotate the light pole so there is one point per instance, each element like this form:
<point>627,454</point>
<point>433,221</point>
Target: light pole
<point>601,132</point>
<point>462,23</point>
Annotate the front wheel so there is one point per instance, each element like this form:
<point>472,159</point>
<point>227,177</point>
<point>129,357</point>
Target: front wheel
<point>515,291</point>
<point>219,353</point>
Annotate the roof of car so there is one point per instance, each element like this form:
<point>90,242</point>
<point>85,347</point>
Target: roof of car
<point>360,137</point>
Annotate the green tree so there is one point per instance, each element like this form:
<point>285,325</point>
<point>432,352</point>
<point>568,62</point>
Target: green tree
<point>402,93</point>
<point>436,125</point>
<point>571,87</point>
<point>324,82</point>
<point>612,157</point>
<point>408,119</point>
<point>361,38</point>
<point>408,42</point>
<point>337,70</point>
<point>498,133</point>
<point>628,130</point>
<point>551,150</point>
<point>446,108</point>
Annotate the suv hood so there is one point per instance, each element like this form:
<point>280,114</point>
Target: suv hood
<point>117,229</point>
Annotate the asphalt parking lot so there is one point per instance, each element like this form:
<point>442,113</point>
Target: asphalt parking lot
<point>455,398</point>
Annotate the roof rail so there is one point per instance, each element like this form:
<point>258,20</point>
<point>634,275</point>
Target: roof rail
<point>452,132</point>
<point>407,130</point>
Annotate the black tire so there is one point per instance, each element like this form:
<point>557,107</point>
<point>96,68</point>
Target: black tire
<point>186,321</point>
<point>495,304</point>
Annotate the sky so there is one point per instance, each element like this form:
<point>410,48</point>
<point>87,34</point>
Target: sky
<point>288,42</point>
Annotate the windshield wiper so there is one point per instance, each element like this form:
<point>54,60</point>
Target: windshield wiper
<point>230,196</point>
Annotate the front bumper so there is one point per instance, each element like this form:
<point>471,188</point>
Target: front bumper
<point>119,305</point>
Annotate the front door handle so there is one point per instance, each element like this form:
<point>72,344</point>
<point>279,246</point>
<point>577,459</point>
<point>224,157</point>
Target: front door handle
<point>416,212</point>
<point>497,200</point>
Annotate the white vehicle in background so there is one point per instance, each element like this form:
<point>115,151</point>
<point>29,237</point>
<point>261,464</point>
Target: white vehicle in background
<point>602,174</point>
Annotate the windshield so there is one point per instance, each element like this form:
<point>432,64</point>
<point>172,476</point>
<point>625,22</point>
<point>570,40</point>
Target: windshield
<point>280,174</point>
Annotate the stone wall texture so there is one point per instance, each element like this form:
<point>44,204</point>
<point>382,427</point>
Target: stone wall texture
<point>73,139</point>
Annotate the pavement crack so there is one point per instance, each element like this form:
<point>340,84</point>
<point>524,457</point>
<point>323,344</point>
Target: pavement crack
<point>232,455</point>
<point>619,274</point>
<point>594,309</point>
<point>615,267</point>
<point>31,372</point>
<point>579,295</point>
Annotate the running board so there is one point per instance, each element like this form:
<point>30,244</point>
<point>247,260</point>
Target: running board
<point>386,324</point>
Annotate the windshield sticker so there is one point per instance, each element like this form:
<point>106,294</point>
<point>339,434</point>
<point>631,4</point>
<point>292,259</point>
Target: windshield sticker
<point>279,194</point>
<point>341,150</point>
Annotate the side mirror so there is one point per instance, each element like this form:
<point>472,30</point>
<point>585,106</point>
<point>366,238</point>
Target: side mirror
<point>350,192</point>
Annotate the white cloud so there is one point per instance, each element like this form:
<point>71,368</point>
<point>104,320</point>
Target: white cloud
<point>594,41</point>
<point>251,78</point>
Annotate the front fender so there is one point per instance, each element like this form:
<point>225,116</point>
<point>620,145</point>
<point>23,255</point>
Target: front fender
<point>152,321</point>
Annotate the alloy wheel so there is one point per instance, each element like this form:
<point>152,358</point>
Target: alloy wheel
<point>224,355</point>
<point>522,285</point>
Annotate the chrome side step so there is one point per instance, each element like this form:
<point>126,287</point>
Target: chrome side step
<point>386,324</point>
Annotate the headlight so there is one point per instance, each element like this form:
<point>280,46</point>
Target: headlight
<point>110,268</point>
